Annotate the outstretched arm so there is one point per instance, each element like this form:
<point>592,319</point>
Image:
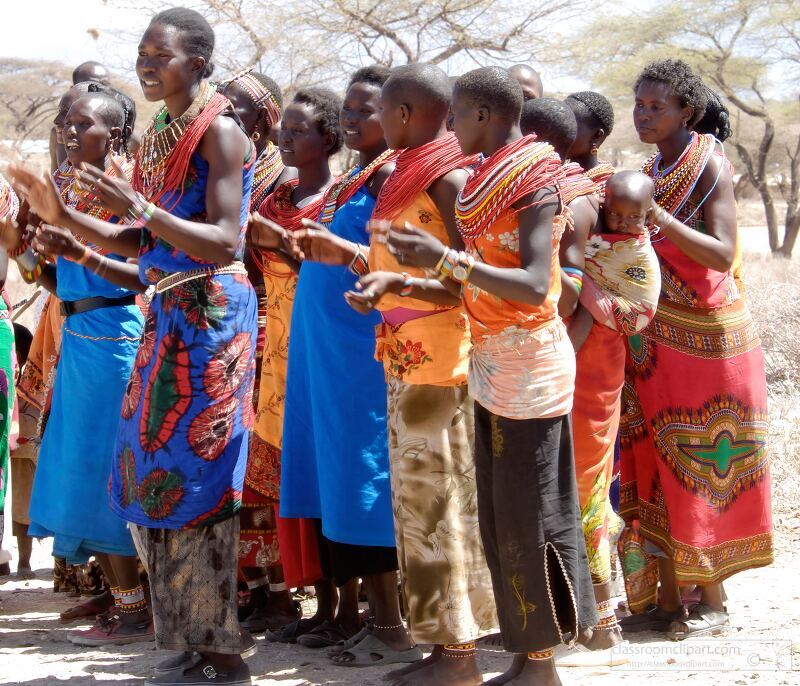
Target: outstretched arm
<point>224,147</point>
<point>56,241</point>
<point>528,283</point>
<point>45,201</point>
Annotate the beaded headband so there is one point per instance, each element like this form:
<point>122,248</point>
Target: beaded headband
<point>261,96</point>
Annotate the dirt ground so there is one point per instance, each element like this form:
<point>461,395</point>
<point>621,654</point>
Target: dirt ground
<point>762,645</point>
<point>759,648</point>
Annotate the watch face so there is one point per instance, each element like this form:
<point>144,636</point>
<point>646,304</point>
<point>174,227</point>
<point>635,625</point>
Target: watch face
<point>459,273</point>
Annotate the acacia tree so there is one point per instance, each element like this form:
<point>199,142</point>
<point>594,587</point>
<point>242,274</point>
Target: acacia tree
<point>738,46</point>
<point>29,94</point>
<point>318,41</point>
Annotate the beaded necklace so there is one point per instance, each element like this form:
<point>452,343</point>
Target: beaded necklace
<point>576,183</point>
<point>268,168</point>
<point>9,203</point>
<point>416,169</point>
<point>340,192</point>
<point>167,146</point>
<point>63,174</point>
<point>81,201</point>
<point>674,185</point>
<point>279,208</point>
<point>514,171</point>
<point>601,173</point>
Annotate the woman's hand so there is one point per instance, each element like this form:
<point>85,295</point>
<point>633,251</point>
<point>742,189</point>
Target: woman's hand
<point>316,244</point>
<point>114,193</point>
<point>265,234</point>
<point>40,193</point>
<point>55,241</point>
<point>413,246</point>
<point>371,288</point>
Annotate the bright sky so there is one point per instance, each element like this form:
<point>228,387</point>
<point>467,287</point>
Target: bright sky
<point>56,30</point>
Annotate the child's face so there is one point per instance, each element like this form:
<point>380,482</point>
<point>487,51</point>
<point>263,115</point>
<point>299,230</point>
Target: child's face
<point>625,215</point>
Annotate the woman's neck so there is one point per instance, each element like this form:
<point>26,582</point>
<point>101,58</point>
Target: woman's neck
<point>671,148</point>
<point>178,103</point>
<point>312,179</point>
<point>586,162</point>
<point>366,157</point>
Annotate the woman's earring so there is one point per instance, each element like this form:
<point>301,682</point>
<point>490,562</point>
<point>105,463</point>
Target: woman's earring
<point>594,150</point>
<point>256,137</point>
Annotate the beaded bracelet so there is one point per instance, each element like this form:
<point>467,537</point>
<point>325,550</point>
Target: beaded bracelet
<point>31,275</point>
<point>576,276</point>
<point>462,270</point>
<point>449,263</point>
<point>408,285</point>
<point>140,212</point>
<point>21,248</point>
<point>359,265</point>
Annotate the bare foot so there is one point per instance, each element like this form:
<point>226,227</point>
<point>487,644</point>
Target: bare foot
<point>537,673</point>
<point>447,671</point>
<point>603,639</point>
<point>25,572</point>
<point>516,667</point>
<point>396,674</point>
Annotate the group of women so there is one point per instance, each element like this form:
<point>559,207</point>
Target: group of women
<point>271,377</point>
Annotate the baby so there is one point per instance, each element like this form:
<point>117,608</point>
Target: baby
<point>621,280</point>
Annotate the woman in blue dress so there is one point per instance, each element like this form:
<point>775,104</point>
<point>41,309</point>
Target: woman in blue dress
<point>182,442</point>
<point>100,335</point>
<point>335,463</point>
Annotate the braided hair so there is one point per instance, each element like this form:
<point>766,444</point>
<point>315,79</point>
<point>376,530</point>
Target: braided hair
<point>716,119</point>
<point>129,111</point>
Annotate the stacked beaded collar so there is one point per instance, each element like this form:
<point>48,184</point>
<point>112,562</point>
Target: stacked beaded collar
<point>167,146</point>
<point>516,170</point>
<point>344,189</point>
<point>674,185</point>
<point>9,203</point>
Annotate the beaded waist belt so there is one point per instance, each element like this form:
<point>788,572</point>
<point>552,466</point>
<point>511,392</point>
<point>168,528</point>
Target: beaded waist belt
<point>182,277</point>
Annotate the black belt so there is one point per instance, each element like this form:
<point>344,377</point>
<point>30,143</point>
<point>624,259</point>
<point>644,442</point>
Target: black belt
<point>70,307</point>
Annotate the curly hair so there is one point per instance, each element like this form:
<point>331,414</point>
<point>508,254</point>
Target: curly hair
<point>494,88</point>
<point>552,121</point>
<point>326,105</point>
<point>375,75</point>
<point>716,119</point>
<point>682,82</point>
<point>196,33</point>
<point>594,107</point>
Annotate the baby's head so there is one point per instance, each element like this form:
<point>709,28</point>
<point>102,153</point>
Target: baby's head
<point>628,197</point>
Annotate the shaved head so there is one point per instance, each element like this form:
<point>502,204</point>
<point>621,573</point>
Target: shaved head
<point>425,88</point>
<point>90,71</point>
<point>529,79</point>
<point>632,185</point>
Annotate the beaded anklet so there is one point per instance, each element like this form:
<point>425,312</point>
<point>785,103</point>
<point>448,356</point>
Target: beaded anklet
<point>278,588</point>
<point>387,628</point>
<point>607,617</point>
<point>132,601</point>
<point>459,650</point>
<point>257,583</point>
<point>541,654</point>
